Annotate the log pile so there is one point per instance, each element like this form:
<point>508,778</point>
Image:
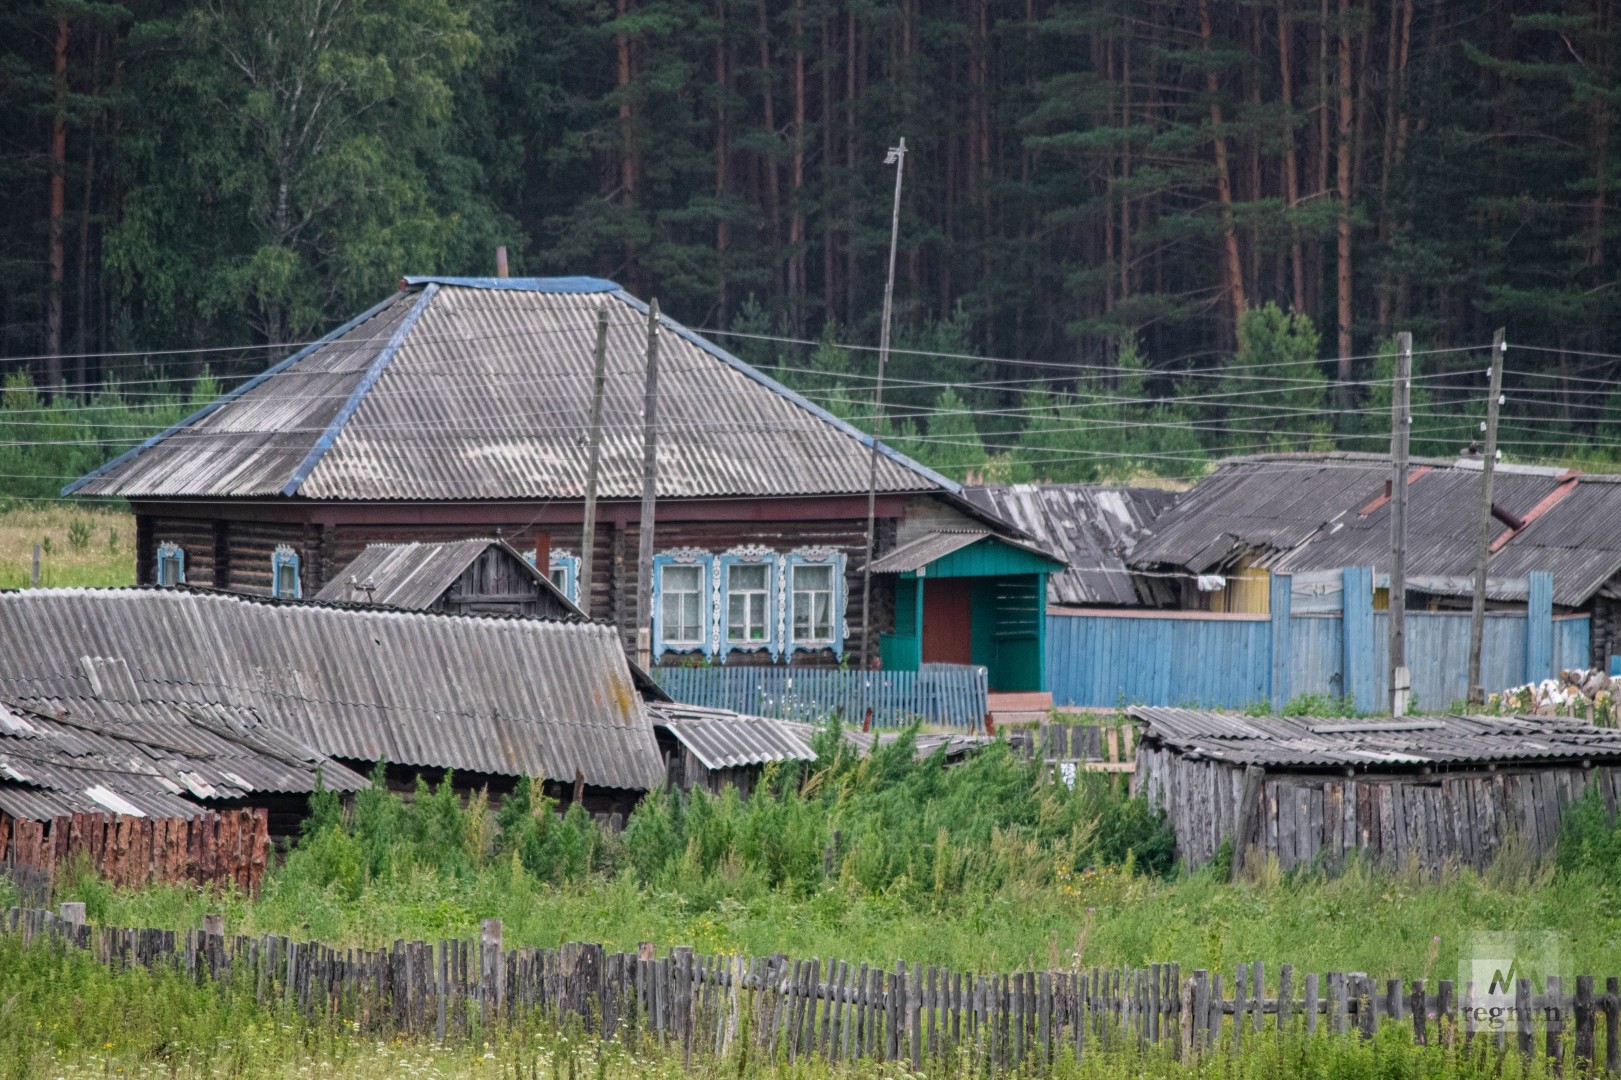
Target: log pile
<point>1586,694</point>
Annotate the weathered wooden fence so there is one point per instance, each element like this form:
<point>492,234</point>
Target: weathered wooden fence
<point>911,1013</point>
<point>953,695</point>
<point>213,847</point>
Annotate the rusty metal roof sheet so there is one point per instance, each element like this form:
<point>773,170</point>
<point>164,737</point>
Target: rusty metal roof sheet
<point>1095,527</point>
<point>722,739</point>
<point>460,388</point>
<point>1304,742</point>
<point>502,695</point>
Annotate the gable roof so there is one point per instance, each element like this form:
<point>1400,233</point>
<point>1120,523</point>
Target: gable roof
<point>415,574</point>
<point>1298,513</point>
<point>507,696</point>
<point>1095,527</point>
<point>1015,555</point>
<point>480,388</point>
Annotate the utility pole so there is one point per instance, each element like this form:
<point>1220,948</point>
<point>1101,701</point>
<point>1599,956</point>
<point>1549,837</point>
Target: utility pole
<point>650,469</point>
<point>588,534</point>
<point>1401,398</point>
<point>897,158</point>
<point>1483,543</point>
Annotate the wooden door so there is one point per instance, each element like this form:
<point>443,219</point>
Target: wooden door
<point>948,621</point>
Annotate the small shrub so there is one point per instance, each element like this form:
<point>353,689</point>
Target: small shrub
<point>79,534</point>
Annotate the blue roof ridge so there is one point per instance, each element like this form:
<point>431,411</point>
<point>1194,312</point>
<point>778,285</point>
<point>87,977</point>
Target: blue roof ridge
<point>577,284</point>
<point>230,396</point>
<point>374,371</point>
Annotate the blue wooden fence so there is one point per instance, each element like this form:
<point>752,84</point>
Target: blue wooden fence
<point>953,695</point>
<point>1106,659</point>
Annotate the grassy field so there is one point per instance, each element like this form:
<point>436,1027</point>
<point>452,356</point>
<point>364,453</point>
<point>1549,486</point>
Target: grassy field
<point>66,1016</point>
<point>79,546</point>
<point>983,867</point>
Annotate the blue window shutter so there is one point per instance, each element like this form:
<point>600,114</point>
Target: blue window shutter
<point>707,596</point>
<point>171,564</point>
<point>284,557</point>
<point>840,600</point>
<point>724,565</point>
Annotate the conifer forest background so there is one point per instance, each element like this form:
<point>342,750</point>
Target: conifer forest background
<point>1137,203</point>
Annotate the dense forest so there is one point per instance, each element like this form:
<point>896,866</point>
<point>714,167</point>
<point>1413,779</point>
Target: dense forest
<point>1102,187</point>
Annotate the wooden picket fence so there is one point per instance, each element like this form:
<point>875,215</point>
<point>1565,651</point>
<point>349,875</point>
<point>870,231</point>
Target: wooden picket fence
<point>911,1014</point>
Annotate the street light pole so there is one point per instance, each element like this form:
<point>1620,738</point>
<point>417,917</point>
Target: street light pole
<point>897,158</point>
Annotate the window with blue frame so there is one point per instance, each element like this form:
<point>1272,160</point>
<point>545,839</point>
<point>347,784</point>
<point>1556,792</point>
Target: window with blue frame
<point>171,568</point>
<point>816,601</point>
<point>285,581</point>
<point>749,585</point>
<point>565,574</point>
<point>682,582</point>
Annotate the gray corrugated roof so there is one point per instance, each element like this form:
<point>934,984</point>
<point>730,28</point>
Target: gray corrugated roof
<point>916,554</point>
<point>509,696</point>
<point>72,762</point>
<point>926,742</point>
<point>1303,512</point>
<point>414,575</point>
<point>1376,744</point>
<point>1095,527</point>
<point>481,389</point>
<point>722,739</point>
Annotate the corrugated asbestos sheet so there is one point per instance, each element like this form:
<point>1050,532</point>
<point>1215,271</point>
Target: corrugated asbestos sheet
<point>1577,540</point>
<point>509,696</point>
<point>919,553</point>
<point>1305,512</point>
<point>1093,526</point>
<point>144,768</point>
<point>411,575</point>
<point>926,742</point>
<point>722,739</point>
<point>1301,742</point>
<point>414,575</point>
<point>487,395</point>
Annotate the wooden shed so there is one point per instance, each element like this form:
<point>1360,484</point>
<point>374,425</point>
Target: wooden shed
<point>1430,790</point>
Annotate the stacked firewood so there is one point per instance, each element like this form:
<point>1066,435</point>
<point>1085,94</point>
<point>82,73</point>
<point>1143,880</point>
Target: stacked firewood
<point>1588,694</point>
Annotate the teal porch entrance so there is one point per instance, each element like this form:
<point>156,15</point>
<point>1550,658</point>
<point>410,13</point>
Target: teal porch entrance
<point>970,598</point>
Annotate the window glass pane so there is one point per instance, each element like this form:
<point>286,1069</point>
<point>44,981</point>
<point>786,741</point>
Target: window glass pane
<point>757,631</point>
<point>746,577</point>
<point>813,577</point>
<point>682,591</point>
<point>286,580</point>
<point>736,617</point>
<point>813,603</point>
<point>682,578</point>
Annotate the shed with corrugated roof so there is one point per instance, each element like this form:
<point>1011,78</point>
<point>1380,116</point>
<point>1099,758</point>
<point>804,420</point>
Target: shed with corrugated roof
<point>1425,790</point>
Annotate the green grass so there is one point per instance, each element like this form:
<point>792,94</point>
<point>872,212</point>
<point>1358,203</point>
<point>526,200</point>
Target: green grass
<point>80,545</point>
<point>1387,925</point>
<point>980,867</point>
<point>66,1016</point>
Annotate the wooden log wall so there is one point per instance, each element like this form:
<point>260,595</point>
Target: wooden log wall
<point>1395,819</point>
<point>213,848</point>
<point>912,1014</point>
